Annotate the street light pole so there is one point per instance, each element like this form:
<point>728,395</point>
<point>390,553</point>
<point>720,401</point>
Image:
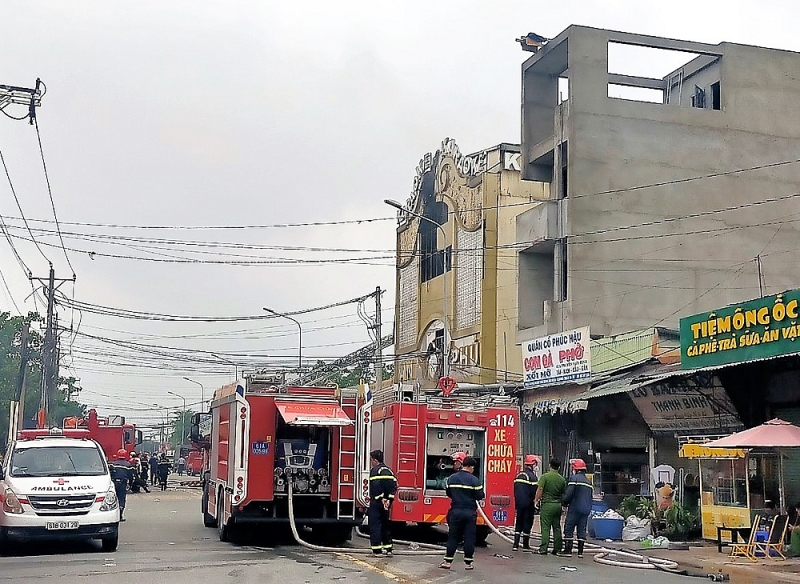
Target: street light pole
<point>445,290</point>
<point>183,417</point>
<point>202,391</point>
<point>300,335</point>
<point>235,365</point>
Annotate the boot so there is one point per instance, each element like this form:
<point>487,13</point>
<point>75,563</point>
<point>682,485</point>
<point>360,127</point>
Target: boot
<point>567,551</point>
<point>515,547</point>
<point>526,541</point>
<point>580,547</point>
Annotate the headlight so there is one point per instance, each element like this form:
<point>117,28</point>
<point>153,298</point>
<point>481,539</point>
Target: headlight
<point>110,502</point>
<point>11,503</point>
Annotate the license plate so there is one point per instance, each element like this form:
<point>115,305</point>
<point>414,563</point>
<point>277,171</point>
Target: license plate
<point>61,525</point>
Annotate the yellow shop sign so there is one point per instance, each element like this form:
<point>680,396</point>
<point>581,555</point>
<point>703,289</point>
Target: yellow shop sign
<point>703,451</point>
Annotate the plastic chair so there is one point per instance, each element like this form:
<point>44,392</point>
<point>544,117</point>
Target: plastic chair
<point>747,550</point>
<point>777,536</point>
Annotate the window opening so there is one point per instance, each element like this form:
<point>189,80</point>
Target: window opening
<point>715,96</point>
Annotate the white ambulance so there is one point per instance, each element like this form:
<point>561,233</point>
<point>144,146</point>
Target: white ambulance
<point>57,487</point>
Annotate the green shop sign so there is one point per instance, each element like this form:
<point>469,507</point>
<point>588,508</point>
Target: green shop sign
<point>765,327</point>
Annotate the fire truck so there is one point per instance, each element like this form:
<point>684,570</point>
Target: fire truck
<point>263,437</point>
<point>419,430</point>
<point>112,433</point>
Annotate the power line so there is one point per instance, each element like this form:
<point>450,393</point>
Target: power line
<point>19,206</point>
<point>50,194</point>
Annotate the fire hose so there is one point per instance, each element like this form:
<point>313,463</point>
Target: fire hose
<point>430,549</point>
<point>602,554</point>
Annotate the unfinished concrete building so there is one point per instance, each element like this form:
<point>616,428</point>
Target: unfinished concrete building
<point>669,194</point>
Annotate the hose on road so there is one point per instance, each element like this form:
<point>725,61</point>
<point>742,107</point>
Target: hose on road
<point>602,554</point>
<point>430,550</point>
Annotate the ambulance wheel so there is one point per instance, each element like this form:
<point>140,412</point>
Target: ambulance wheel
<point>481,533</point>
<point>110,543</point>
<point>208,519</point>
<point>222,526</point>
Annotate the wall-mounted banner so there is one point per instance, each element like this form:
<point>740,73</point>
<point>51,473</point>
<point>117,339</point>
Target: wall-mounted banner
<point>555,359</point>
<point>765,327</point>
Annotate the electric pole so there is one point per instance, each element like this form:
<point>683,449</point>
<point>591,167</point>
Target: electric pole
<point>378,338</point>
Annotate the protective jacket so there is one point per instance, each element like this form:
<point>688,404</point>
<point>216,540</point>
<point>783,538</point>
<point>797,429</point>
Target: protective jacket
<point>121,472</point>
<point>382,483</point>
<point>578,495</point>
<point>464,490</point>
<point>525,486</point>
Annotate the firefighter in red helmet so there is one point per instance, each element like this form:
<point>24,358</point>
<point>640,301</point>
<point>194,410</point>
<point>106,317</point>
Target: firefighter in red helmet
<point>458,460</point>
<point>578,500</point>
<point>122,475</point>
<point>525,485</point>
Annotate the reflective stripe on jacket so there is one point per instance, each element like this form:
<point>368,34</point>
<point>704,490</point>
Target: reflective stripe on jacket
<point>525,486</point>
<point>579,494</point>
<point>464,490</point>
<point>382,483</point>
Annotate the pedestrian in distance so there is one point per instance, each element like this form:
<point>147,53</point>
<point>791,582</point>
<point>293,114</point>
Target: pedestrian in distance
<point>122,475</point>
<point>548,500</point>
<point>181,465</point>
<point>578,500</point>
<point>464,490</point>
<point>382,488</point>
<point>525,486</point>
<point>154,469</point>
<point>164,468</point>
<point>145,462</point>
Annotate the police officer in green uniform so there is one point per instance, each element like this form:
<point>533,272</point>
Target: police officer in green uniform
<point>548,500</point>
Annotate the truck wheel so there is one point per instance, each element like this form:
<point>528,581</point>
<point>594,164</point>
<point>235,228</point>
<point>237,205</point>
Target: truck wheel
<point>208,519</point>
<point>110,543</point>
<point>337,534</point>
<point>222,526</point>
<point>481,533</point>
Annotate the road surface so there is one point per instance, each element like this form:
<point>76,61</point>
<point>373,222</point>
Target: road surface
<point>164,541</point>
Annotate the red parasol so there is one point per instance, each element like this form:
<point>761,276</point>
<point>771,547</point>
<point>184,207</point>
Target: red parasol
<point>773,434</point>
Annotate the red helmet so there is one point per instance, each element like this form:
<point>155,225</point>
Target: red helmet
<point>459,456</point>
<point>578,464</point>
<point>531,459</point>
<point>122,454</point>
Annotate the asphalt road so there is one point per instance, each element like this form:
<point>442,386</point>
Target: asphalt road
<point>163,540</point>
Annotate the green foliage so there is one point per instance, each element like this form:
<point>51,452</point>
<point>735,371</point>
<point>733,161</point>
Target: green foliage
<point>680,520</point>
<point>62,405</point>
<point>180,428</point>
<point>641,507</point>
<point>352,376</point>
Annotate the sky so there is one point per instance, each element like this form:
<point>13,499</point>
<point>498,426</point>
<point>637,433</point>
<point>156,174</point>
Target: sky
<point>166,116</point>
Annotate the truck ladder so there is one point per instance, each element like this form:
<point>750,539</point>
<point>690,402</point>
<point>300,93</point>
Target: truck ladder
<point>346,485</point>
<point>408,443</point>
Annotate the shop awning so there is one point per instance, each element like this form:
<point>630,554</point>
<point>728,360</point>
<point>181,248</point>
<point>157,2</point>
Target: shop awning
<point>302,413</point>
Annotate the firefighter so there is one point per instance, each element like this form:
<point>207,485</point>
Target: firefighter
<point>121,474</point>
<point>163,471</point>
<point>525,486</point>
<point>138,482</point>
<point>458,459</point>
<point>145,460</point>
<point>548,500</point>
<point>464,490</point>
<point>154,469</point>
<point>382,487</point>
<point>578,500</point>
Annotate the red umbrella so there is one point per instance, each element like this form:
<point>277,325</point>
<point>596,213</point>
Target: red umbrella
<point>773,434</point>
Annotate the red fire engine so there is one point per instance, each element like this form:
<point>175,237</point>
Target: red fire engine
<point>418,432</point>
<point>262,437</point>
<point>112,433</point>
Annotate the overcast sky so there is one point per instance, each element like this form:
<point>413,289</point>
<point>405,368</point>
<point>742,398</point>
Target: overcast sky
<point>261,113</point>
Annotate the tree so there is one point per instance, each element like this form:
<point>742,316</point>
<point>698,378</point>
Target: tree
<point>179,433</point>
<point>62,405</point>
<point>351,376</point>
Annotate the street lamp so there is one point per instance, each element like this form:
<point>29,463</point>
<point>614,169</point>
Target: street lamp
<point>183,417</point>
<point>300,335</point>
<point>235,365</point>
<point>445,348</point>
<point>202,392</point>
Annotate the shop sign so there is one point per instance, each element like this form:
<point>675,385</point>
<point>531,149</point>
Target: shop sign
<point>703,451</point>
<point>765,327</point>
<point>685,407</point>
<point>555,359</point>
